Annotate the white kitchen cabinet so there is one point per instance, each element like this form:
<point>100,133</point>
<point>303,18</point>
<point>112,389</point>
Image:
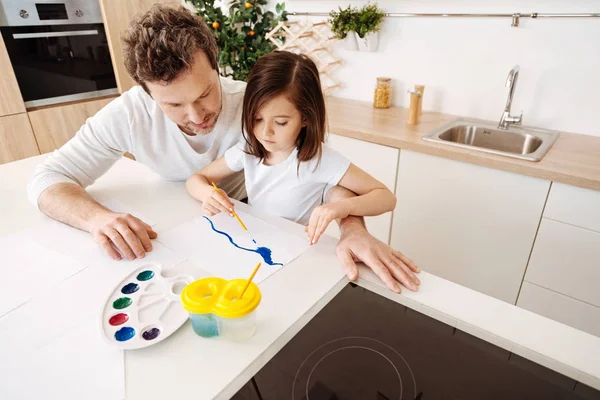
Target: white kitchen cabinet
<point>566,260</point>
<point>560,308</point>
<point>564,271</point>
<point>469,224</point>
<point>380,162</point>
<point>574,205</point>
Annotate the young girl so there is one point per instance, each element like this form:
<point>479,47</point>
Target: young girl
<point>286,166</point>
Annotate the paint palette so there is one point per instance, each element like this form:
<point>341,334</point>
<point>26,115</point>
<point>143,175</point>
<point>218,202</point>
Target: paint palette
<point>144,308</point>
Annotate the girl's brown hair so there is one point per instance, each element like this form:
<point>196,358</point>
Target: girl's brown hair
<point>297,76</point>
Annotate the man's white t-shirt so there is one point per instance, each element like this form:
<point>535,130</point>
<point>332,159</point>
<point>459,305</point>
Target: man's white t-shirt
<point>134,123</point>
<point>286,189</point>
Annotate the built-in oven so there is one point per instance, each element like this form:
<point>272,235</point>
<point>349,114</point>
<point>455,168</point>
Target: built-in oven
<point>58,50</point>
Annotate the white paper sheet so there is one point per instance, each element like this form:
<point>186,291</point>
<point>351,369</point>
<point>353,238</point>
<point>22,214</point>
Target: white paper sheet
<point>28,269</point>
<point>55,339</point>
<point>215,253</point>
<point>56,281</point>
<point>65,305</point>
<point>76,365</point>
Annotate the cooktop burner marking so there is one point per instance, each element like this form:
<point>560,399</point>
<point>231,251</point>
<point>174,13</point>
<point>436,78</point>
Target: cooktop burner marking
<point>353,347</point>
<point>412,375</point>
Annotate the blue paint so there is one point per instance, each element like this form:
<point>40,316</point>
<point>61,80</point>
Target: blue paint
<point>124,334</point>
<point>130,288</point>
<point>264,252</point>
<point>205,325</point>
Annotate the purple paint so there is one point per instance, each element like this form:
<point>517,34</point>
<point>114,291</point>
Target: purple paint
<point>151,334</point>
<point>124,334</point>
<point>130,288</point>
<point>118,319</point>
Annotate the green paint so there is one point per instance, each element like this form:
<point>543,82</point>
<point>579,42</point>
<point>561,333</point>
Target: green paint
<point>122,303</point>
<point>145,275</point>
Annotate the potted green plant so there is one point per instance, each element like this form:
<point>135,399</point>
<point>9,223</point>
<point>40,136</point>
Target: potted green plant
<point>342,25</point>
<point>367,24</point>
<point>240,32</point>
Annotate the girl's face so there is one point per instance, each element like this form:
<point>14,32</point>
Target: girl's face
<point>277,125</point>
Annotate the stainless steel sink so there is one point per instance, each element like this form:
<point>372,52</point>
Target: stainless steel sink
<point>525,143</point>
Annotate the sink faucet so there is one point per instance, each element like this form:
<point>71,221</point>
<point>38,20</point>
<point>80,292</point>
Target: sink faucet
<point>511,82</point>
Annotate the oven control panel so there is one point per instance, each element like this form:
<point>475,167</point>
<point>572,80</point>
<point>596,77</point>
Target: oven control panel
<point>49,12</point>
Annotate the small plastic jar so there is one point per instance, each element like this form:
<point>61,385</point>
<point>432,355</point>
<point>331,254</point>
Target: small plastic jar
<point>382,98</point>
<point>216,308</point>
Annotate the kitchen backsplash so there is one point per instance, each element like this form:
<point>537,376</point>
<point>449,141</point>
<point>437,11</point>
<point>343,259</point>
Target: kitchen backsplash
<point>464,62</point>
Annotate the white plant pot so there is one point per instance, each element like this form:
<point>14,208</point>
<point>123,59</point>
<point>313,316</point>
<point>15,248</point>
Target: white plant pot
<point>369,43</point>
<point>349,42</point>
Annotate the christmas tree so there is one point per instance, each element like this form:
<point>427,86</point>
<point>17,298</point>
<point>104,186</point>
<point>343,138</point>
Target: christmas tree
<point>241,34</point>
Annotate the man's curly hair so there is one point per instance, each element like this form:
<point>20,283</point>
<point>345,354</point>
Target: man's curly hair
<point>161,43</point>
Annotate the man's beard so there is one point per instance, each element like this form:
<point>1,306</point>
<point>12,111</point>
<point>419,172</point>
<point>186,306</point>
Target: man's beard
<point>202,131</point>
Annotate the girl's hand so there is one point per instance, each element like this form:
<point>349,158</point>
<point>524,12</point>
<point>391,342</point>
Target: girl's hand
<point>322,216</point>
<point>216,202</point>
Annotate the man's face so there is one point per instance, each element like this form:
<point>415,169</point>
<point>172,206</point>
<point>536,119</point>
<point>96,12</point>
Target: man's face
<point>193,99</point>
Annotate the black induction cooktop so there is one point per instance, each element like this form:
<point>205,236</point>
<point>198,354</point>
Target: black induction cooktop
<point>362,346</point>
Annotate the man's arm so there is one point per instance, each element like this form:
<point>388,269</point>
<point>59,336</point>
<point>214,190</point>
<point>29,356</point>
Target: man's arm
<point>57,187</point>
<point>357,244</point>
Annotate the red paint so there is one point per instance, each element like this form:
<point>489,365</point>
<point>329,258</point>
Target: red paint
<point>118,319</point>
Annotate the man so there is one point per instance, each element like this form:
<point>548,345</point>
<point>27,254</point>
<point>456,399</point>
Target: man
<point>181,117</point>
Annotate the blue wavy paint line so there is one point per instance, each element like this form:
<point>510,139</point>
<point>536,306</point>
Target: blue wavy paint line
<point>264,252</point>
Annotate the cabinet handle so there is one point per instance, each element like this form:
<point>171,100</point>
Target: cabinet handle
<point>54,34</point>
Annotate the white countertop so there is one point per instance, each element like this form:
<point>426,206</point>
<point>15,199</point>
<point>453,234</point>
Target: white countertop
<point>185,364</point>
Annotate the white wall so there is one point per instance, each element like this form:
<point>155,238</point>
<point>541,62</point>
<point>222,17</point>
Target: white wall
<point>464,62</point>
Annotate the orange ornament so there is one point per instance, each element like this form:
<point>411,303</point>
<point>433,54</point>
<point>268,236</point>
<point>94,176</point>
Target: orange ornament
<point>215,25</point>
<point>248,4</point>
<point>252,33</point>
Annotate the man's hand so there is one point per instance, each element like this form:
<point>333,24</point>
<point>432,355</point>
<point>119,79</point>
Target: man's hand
<point>70,204</point>
<point>357,245</point>
<point>130,235</point>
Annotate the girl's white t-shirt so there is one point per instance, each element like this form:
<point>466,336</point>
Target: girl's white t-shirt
<point>284,189</point>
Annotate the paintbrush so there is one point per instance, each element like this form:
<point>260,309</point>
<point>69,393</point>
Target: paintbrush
<point>250,280</point>
<point>235,215</point>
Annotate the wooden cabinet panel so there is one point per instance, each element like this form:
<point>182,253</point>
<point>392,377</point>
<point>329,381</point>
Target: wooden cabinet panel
<point>566,259</point>
<point>117,15</point>
<point>16,138</point>
<point>469,224</point>
<point>11,101</point>
<point>55,126</point>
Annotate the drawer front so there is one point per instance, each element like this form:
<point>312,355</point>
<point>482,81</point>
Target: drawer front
<point>575,206</point>
<point>566,310</point>
<point>566,259</point>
